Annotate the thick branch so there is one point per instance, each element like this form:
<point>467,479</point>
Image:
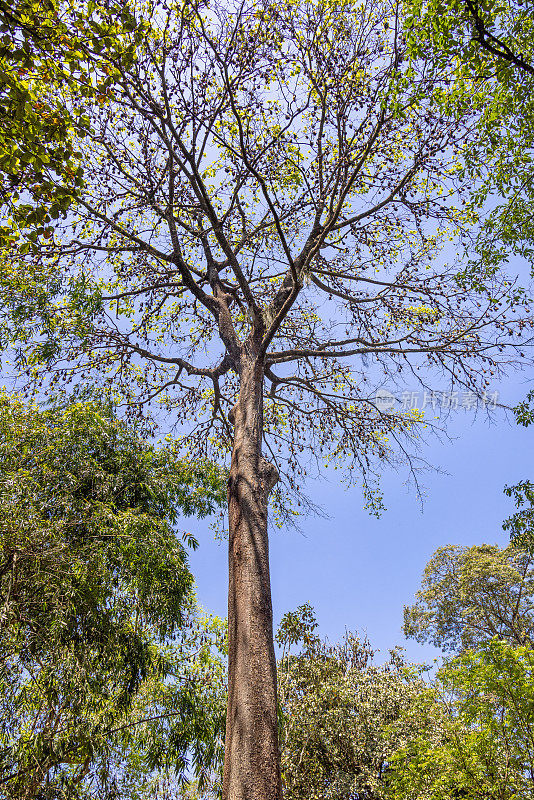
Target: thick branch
<point>492,43</point>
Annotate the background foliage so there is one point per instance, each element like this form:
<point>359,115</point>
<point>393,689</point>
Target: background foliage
<point>94,591</point>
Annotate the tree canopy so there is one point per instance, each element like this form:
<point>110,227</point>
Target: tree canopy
<point>200,191</point>
<point>491,44</point>
<point>471,594</point>
<point>94,583</point>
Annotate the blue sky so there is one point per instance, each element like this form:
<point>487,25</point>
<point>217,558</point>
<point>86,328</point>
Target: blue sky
<point>357,571</point>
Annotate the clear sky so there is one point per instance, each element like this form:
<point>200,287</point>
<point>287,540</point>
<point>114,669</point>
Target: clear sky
<point>358,572</point>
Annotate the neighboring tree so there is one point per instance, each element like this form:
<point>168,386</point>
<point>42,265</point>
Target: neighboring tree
<point>166,742</point>
<point>96,604</point>
<point>34,126</point>
<point>521,523</point>
<point>491,43</point>
<point>343,716</point>
<point>48,47</point>
<point>494,34</point>
<point>352,730</point>
<point>267,189</point>
<point>471,594</point>
<point>170,742</point>
<point>480,744</point>
<point>513,35</point>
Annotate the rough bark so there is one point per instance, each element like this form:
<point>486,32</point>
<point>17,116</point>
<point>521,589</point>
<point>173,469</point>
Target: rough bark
<point>252,759</point>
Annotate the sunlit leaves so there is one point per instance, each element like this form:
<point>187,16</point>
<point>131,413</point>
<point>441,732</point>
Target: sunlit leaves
<point>49,61</point>
<point>480,744</point>
<point>471,594</point>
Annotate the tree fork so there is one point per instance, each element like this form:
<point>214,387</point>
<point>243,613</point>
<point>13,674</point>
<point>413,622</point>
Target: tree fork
<point>252,759</point>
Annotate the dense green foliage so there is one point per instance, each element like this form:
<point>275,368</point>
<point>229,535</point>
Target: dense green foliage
<point>343,715</point>
<point>471,594</point>
<point>50,55</point>
<point>35,135</point>
<point>353,730</point>
<point>493,44</point>
<point>477,738</point>
<point>491,47</point>
<point>356,731</point>
<point>94,588</point>
<point>477,742</point>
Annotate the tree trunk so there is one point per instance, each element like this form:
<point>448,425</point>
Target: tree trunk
<point>252,756</point>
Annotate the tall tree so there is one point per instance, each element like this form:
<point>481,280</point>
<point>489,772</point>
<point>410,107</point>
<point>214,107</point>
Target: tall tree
<point>267,187</point>
<point>471,594</point>
<point>93,582</point>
